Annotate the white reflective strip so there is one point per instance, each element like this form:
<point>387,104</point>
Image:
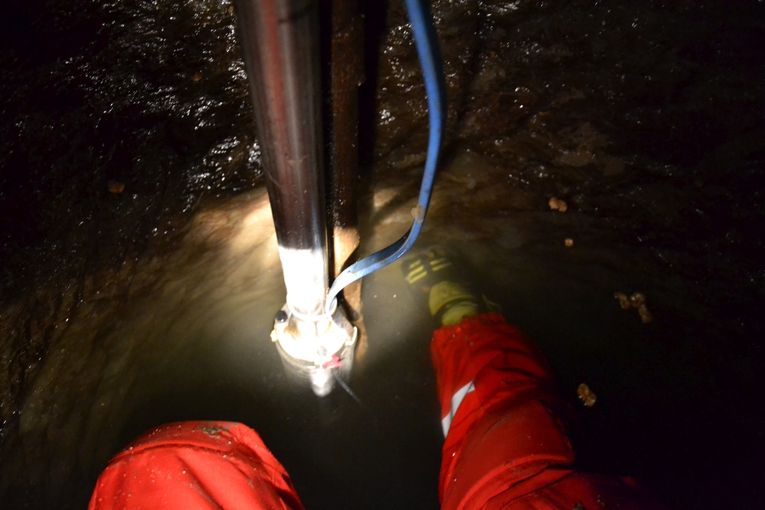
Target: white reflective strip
<point>446,421</point>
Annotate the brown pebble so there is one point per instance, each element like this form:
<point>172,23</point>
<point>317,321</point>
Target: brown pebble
<point>645,315</point>
<point>586,395</point>
<point>115,187</point>
<point>557,204</point>
<point>196,77</point>
<point>624,301</point>
<point>637,299</point>
<point>568,242</point>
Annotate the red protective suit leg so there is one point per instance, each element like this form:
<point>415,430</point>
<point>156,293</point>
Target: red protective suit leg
<point>196,465</point>
<point>505,446</point>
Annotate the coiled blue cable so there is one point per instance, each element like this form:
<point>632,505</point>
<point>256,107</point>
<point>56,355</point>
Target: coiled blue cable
<point>427,50</point>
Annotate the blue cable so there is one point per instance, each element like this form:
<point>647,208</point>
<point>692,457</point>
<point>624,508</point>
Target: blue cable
<point>427,50</point>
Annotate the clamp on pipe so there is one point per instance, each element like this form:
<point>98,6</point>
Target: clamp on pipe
<point>315,347</point>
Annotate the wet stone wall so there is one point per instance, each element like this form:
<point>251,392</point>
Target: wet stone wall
<point>119,117</point>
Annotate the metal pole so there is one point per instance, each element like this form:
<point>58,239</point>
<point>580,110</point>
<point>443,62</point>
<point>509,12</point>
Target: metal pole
<point>280,42</point>
<point>281,50</point>
<point>346,73</point>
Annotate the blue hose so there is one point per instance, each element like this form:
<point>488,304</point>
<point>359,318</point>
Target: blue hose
<point>427,50</point>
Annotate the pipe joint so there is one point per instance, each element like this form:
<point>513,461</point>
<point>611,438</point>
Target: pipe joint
<point>315,348</point>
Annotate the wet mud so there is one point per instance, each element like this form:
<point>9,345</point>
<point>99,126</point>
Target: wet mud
<point>603,167</point>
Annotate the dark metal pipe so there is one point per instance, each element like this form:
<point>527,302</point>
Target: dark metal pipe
<point>346,75</point>
<point>280,42</point>
<point>344,53</point>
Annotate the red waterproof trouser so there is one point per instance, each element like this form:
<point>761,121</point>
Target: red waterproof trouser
<point>195,465</point>
<point>504,448</point>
